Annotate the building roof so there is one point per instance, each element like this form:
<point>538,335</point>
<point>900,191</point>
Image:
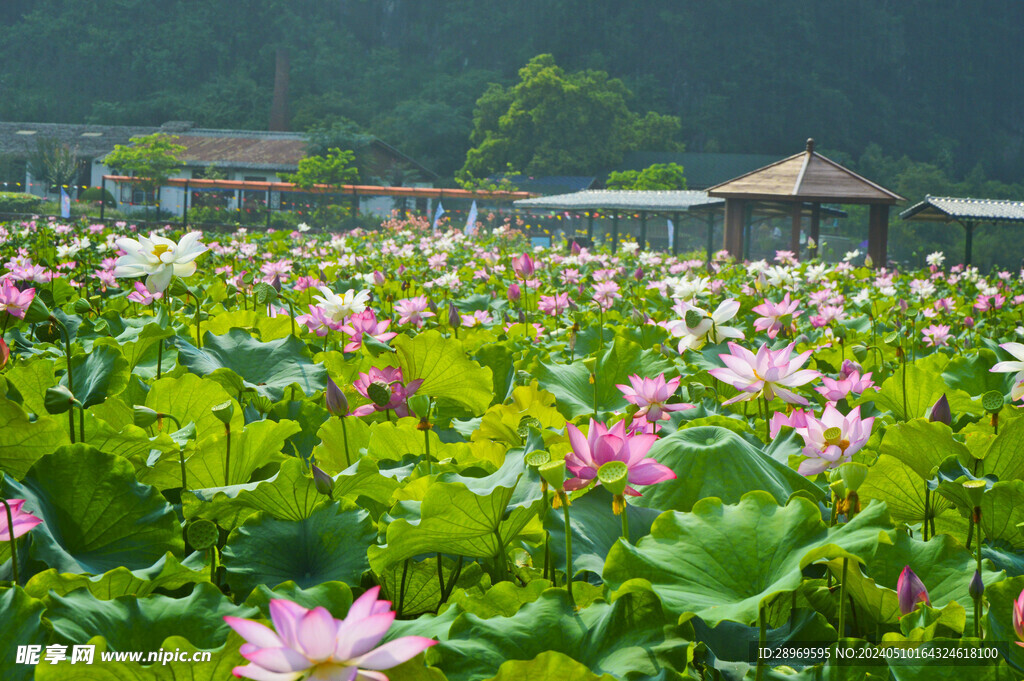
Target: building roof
<point>21,139</point>
<point>949,209</point>
<point>238,148</point>
<point>548,185</point>
<point>619,199</point>
<point>807,176</point>
<point>702,170</point>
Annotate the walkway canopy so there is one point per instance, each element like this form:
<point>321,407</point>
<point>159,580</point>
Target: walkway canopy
<point>807,177</point>
<point>649,203</point>
<point>968,212</point>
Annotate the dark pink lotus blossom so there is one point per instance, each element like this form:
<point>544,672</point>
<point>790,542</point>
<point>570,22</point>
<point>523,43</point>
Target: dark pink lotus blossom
<point>771,373</point>
<point>386,391</point>
<point>554,305</point>
<point>1018,618</point>
<point>773,314</point>
<point>365,322</point>
<point>524,266</point>
<point>313,643</point>
<point>838,389</point>
<point>652,396</point>
<point>603,444</point>
<point>317,321</point>
<point>142,296</point>
<point>23,520</point>
<point>13,301</point>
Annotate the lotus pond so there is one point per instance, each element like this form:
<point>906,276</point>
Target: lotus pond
<point>398,454</point>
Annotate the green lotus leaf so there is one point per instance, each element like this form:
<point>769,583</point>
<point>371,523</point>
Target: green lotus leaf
<point>329,545</point>
<point>455,520</point>
<point>31,379</point>
<point>1002,458</point>
<point>191,399</point>
<point>330,454</point>
<point>899,486</point>
<point>722,562</point>
<point>422,592</point>
<point>715,462</point>
<point>628,639</point>
<point>972,373</point>
<point>22,624</point>
<point>570,383</point>
<point>166,573</point>
<point>268,367</point>
<point>22,441</point>
<point>924,386</point>
<point>96,516</point>
<point>922,445</point>
<point>256,445</point>
<point>335,596</point>
<point>133,623</point>
<point>547,666</point>
<point>101,373</point>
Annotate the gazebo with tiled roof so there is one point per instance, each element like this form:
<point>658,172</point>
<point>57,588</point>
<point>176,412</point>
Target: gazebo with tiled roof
<point>807,177</point>
<point>968,212</point>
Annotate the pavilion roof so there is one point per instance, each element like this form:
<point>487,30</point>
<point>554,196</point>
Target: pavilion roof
<point>950,209</point>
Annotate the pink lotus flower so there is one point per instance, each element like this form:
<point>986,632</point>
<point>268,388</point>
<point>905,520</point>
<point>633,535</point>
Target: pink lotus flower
<point>605,294</point>
<point>554,305</point>
<point>772,315</point>
<point>524,266</point>
<point>652,395</point>
<point>603,445</point>
<point>837,389</point>
<point>142,296</point>
<point>385,390</point>
<point>910,591</point>
<point>478,318</point>
<point>413,310</point>
<point>13,301</point>
<point>936,335</point>
<point>365,322</point>
<point>313,642</point>
<point>23,520</point>
<point>317,321</point>
<point>1018,618</point>
<point>770,373</point>
<point>829,441</point>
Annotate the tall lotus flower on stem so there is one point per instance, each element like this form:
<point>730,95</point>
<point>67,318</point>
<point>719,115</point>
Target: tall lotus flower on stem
<point>651,396</point>
<point>365,322</point>
<point>339,307</point>
<point>1009,367</point>
<point>698,327</point>
<point>910,591</point>
<point>158,258</point>
<point>829,441</point>
<point>524,266</point>
<point>312,642</point>
<point>14,523</point>
<point>773,315</point>
<point>623,458</point>
<point>13,301</point>
<point>386,390</point>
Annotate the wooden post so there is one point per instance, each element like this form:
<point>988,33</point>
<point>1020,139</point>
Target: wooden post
<point>675,234</point>
<point>733,241</point>
<point>184,212</point>
<point>969,238</point>
<point>878,234</point>
<point>711,235</point>
<point>103,197</point>
<point>590,229</point>
<point>748,228</point>
<point>816,229</point>
<point>355,207</point>
<point>643,230</point>
<point>615,231</point>
<point>268,208</point>
<point>794,232</point>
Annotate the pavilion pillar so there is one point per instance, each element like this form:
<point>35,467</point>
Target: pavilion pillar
<point>794,232</point>
<point>184,212</point>
<point>878,234</point>
<point>643,230</point>
<point>815,230</point>
<point>615,231</point>
<point>968,242</point>
<point>748,229</point>
<point>675,234</point>
<point>735,212</point>
<point>711,235</point>
<point>590,230</point>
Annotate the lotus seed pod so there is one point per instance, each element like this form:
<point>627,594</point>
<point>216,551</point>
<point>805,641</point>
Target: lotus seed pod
<point>202,534</point>
<point>992,401</point>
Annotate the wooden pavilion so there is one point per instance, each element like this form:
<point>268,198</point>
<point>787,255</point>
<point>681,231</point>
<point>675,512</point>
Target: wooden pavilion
<point>807,177</point>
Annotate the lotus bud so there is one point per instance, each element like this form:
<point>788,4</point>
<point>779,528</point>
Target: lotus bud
<point>638,274</point>
<point>82,306</point>
<point>869,261</point>
<point>522,317</point>
<point>853,474</point>
<point>324,483</point>
<point>401,270</point>
<point>976,587</point>
<point>910,591</point>
<point>379,392</point>
<point>576,247</point>
<point>420,405</point>
<point>514,293</point>
<point>276,282</point>
<point>59,399</point>
<point>849,367</point>
<point>969,322</point>
<point>37,311</point>
<point>335,400</point>
<point>454,320</point>
<point>904,306</point>
<point>144,417</point>
<point>940,411</point>
<point>224,411</point>
<point>1018,617</point>
<point>378,278</point>
<point>553,473</point>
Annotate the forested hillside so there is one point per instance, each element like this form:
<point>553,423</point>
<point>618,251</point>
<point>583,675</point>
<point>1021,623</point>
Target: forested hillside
<point>937,81</point>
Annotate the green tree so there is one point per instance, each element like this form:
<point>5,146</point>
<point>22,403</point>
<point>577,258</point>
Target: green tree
<point>152,158</point>
<point>54,164</point>
<point>663,176</point>
<point>333,170</point>
<point>552,122</point>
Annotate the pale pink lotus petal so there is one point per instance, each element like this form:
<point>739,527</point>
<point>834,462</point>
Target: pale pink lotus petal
<point>395,652</point>
<point>254,632</point>
<point>252,671</point>
<point>286,616</point>
<point>356,637</point>
<point>317,634</point>
<point>279,660</point>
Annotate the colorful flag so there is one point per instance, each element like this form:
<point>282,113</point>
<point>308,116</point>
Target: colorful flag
<point>65,204</point>
<point>437,216</point>
<point>472,219</point>
<point>671,235</point>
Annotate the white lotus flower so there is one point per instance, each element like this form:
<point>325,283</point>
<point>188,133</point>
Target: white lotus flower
<point>1009,367</point>
<point>159,258</point>
<point>707,327</point>
<point>341,307</point>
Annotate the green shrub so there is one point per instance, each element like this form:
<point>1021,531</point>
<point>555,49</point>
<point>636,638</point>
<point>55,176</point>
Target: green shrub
<point>19,202</point>
<point>97,194</point>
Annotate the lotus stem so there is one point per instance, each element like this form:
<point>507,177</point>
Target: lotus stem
<point>227,455</point>
<point>440,578</point>
<point>842,601</point>
<point>564,499</point>
<point>401,589</point>
<point>344,434</point>
<point>213,564</point>
<point>762,638</point>
<point>451,582</point>
<point>625,523</point>
<point>13,541</point>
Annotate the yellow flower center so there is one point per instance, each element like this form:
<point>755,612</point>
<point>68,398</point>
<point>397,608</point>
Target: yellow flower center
<point>160,249</point>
